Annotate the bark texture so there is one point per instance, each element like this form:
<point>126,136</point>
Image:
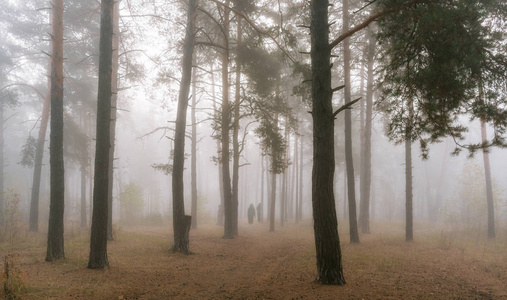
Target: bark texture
<point>55,245</point>
<point>354,234</point>
<point>489,186</point>
<point>235,135</point>
<point>364,218</point>
<point>327,242</point>
<point>37,165</point>
<point>226,116</point>
<point>114,101</point>
<point>193,146</point>
<point>98,239</point>
<point>181,222</point>
<point>409,215</point>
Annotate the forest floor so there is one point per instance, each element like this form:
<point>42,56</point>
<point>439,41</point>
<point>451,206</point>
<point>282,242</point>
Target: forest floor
<point>439,264</point>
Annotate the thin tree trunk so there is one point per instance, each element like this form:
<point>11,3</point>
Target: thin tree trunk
<point>354,234</point>
<point>327,241</point>
<point>235,137</point>
<point>272,206</point>
<point>409,218</point>
<point>114,101</point>
<point>229,231</point>
<point>295,177</point>
<point>283,200</point>
<point>55,246</point>
<point>83,196</point>
<point>37,166</point>
<point>300,202</point>
<point>181,222</point>
<point>193,158</point>
<point>366,171</point>
<point>263,171</point>
<point>220,213</point>
<point>98,239</point>
<point>83,162</point>
<point>489,187</point>
<point>2,144</point>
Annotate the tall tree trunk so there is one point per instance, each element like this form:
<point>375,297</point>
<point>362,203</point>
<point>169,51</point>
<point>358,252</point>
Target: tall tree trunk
<point>220,214</point>
<point>366,159</point>
<point>37,166</point>
<point>263,171</point>
<point>295,177</point>
<point>83,162</point>
<point>229,231</point>
<point>2,144</point>
<point>181,222</point>
<point>114,101</point>
<point>354,234</point>
<point>272,202</point>
<point>98,238</point>
<point>55,248</point>
<point>235,132</point>
<point>83,196</point>
<point>283,198</point>
<point>409,218</point>
<point>327,241</point>
<point>300,202</point>
<point>193,146</point>
<point>489,187</point>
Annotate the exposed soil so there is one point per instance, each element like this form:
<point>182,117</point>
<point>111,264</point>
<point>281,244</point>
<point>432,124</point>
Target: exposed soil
<point>263,265</point>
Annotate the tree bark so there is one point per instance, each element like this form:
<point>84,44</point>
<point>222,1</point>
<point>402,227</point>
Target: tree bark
<point>409,218</point>
<point>55,244</point>
<point>182,223</point>
<point>489,186</point>
<point>295,177</point>
<point>272,202</point>
<point>37,166</point>
<point>263,171</point>
<point>98,238</point>
<point>235,134</point>
<point>193,150</point>
<point>364,218</point>
<point>327,242</point>
<point>2,144</point>
<point>229,231</point>
<point>283,199</point>
<point>114,101</point>
<point>354,234</point>
<point>220,213</point>
<point>83,196</point>
<point>300,202</point>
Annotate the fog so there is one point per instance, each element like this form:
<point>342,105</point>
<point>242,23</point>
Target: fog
<point>446,120</point>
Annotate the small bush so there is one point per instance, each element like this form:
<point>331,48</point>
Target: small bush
<point>12,277</point>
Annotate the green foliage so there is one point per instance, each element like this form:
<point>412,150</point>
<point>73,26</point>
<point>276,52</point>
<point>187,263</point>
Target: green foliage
<point>263,68</point>
<point>272,144</point>
<point>8,97</point>
<point>443,57</point>
<point>164,168</point>
<point>28,152</point>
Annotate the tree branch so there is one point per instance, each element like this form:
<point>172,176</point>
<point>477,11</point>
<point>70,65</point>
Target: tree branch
<point>345,106</point>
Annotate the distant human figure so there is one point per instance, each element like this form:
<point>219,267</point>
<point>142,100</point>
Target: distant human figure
<point>259,210</point>
<point>251,214</point>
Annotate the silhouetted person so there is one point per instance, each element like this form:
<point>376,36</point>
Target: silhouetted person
<point>251,214</point>
<point>259,210</point>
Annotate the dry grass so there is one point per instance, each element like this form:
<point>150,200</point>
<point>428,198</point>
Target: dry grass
<point>440,264</point>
